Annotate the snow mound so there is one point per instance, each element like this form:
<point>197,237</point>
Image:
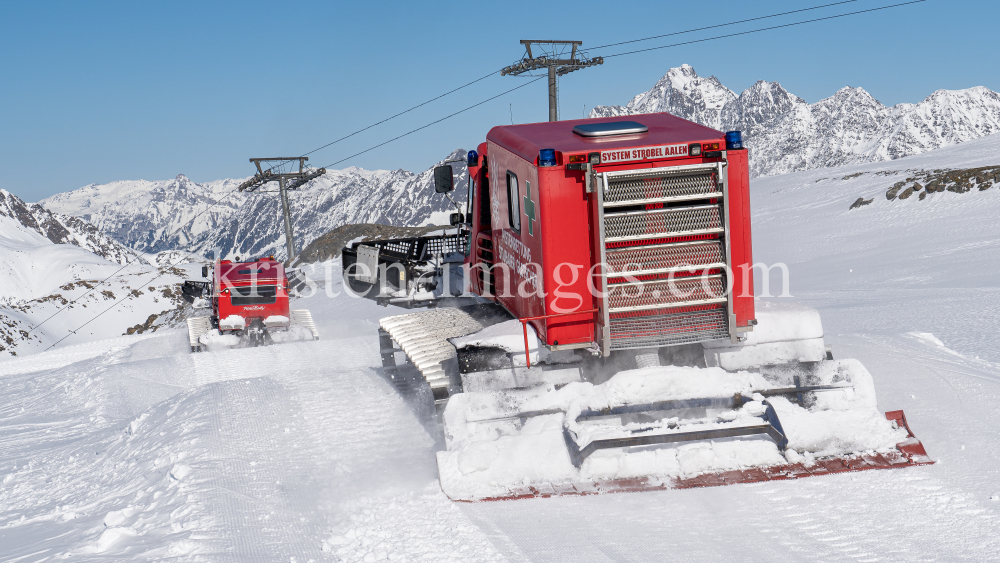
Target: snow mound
<point>214,340</point>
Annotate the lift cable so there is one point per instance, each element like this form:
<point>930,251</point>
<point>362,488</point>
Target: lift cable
<point>485,76</point>
<point>722,25</point>
<point>435,122</point>
<point>764,29</point>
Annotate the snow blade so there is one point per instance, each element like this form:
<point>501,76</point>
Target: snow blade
<point>909,453</point>
<point>197,326</point>
<point>303,318</point>
<point>668,427</point>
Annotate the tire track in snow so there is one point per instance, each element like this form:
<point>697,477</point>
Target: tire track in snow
<point>380,498</point>
<point>254,465</point>
<point>846,517</point>
<point>301,428</point>
<point>259,463</point>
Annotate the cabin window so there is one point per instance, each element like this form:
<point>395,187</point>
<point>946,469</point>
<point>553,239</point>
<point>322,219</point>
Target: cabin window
<point>484,203</point>
<point>469,200</point>
<point>513,202</point>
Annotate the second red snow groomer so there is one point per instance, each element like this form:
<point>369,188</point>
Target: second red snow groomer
<point>250,306</point>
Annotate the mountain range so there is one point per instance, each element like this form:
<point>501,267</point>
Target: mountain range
<point>786,134</point>
<point>153,217</point>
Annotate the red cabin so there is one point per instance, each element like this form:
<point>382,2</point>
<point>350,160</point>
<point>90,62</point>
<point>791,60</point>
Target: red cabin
<point>658,200</point>
<point>246,293</point>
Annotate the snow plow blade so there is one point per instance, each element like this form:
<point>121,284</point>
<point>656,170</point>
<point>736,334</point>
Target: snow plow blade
<point>909,453</point>
<point>655,428</point>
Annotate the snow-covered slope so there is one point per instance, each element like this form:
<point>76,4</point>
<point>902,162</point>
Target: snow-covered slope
<point>181,214</point>
<point>895,259</point>
<point>41,251</point>
<point>787,134</point>
<point>57,228</point>
<point>80,298</point>
<point>134,449</point>
<point>48,262</point>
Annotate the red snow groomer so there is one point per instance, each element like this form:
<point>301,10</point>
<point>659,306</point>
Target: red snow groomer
<point>607,337</point>
<point>250,306</point>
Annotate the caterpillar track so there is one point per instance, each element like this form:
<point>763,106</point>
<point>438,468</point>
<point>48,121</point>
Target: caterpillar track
<point>431,361</point>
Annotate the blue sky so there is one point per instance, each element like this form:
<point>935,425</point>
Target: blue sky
<point>99,91</point>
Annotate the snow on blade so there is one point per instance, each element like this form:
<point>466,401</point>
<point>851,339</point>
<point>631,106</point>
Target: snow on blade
<point>489,457</point>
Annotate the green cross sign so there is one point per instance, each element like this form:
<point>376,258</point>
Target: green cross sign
<point>529,208</point>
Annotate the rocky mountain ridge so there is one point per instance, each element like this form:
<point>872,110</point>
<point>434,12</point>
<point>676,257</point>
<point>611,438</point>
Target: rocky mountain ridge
<point>64,229</point>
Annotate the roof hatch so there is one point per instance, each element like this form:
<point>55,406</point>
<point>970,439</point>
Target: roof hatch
<point>609,128</point>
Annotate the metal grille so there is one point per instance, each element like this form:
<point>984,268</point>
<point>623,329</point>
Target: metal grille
<point>638,260</point>
<point>661,187</point>
<point>659,222</point>
<point>669,330</point>
<point>656,294</point>
<point>447,244</point>
<point>253,294</point>
<point>422,248</point>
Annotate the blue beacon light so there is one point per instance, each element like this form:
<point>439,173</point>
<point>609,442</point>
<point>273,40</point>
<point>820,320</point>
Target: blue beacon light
<point>547,157</point>
<point>734,140</point>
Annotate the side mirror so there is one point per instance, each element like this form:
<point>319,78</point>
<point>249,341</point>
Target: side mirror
<point>444,180</point>
<point>457,219</point>
<point>204,271</point>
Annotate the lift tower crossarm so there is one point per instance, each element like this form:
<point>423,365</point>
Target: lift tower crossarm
<point>552,63</point>
<point>286,181</point>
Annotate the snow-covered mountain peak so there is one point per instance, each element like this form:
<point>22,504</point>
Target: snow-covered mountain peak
<point>852,94</point>
<point>681,92</point>
<point>356,171</point>
<point>761,103</point>
<point>773,91</point>
<point>685,70</point>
